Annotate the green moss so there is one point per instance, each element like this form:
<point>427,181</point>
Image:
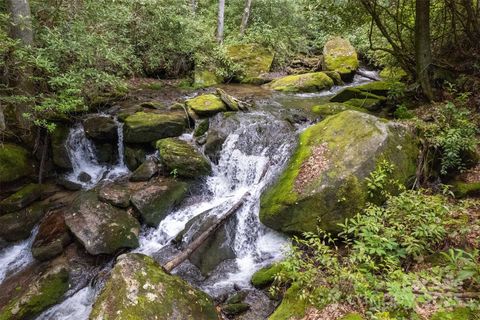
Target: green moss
<point>206,105</point>
<point>380,88</point>
<point>352,316</point>
<point>308,82</point>
<point>182,159</point>
<point>14,163</point>
<point>21,198</point>
<point>38,298</point>
<point>456,314</point>
<point>253,60</point>
<point>265,276</point>
<point>206,78</point>
<point>332,108</point>
<point>368,104</point>
<point>232,309</point>
<point>340,56</point>
<point>393,73</point>
<point>354,93</point>
<point>143,127</point>
<point>291,306</point>
<point>59,148</point>
<point>464,189</point>
<point>201,128</point>
<point>138,289</point>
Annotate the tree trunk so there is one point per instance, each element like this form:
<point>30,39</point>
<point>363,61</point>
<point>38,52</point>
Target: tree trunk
<point>221,20</point>
<point>195,244</point>
<point>246,15</point>
<point>423,52</point>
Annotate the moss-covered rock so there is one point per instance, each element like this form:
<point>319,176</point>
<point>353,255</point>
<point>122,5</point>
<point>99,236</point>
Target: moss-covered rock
<point>59,138</point>
<point>253,60</point>
<point>335,76</point>
<point>155,200</point>
<point>463,189</point>
<point>15,163</point>
<point>308,82</point>
<point>18,225</point>
<point>143,127</point>
<point>324,182</point>
<point>22,198</point>
<point>201,128</point>
<point>45,291</point>
<point>182,159</point>
<point>331,108</point>
<point>292,306</point>
<point>145,171</point>
<point>340,56</point>
<point>52,237</point>
<point>102,128</point>
<point>134,157</point>
<point>205,78</point>
<point>352,316</point>
<point>354,93</point>
<point>100,227</point>
<point>233,309</point>
<point>456,314</point>
<point>265,276</point>
<point>379,88</point>
<point>365,104</point>
<point>139,289</point>
<point>393,73</point>
<point>206,105</point>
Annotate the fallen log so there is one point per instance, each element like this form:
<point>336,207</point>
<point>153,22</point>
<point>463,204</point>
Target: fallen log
<point>368,76</point>
<point>194,245</point>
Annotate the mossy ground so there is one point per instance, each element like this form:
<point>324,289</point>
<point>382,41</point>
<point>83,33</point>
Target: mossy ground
<point>14,163</point>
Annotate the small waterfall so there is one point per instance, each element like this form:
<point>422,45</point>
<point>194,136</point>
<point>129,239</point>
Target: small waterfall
<point>16,257</point>
<point>256,149</point>
<point>81,151</point>
<point>78,306</point>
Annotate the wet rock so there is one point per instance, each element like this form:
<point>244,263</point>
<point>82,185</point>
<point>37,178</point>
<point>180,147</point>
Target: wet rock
<point>116,194</point>
<point>69,185</point>
<point>43,290</point>
<point>182,159</point>
<point>100,227</point>
<point>84,177</point>
<point>340,56</point>
<point>146,171</point>
<point>261,306</point>
<point>254,61</point>
<point>101,128</point>
<point>156,199</point>
<point>265,276</point>
<point>52,237</point>
<point>237,297</point>
<point>325,179</point>
<point>105,153</point>
<point>22,198</point>
<point>231,103</point>
<point>308,82</point>
<point>138,288</point>
<point>143,127</point>
<point>216,249</point>
<point>134,157</point>
<point>18,225</point>
<point>201,128</point>
<point>336,77</point>
<point>59,146</point>
<point>233,309</point>
<point>15,163</point>
<point>371,96</point>
<point>213,145</point>
<point>206,105</point>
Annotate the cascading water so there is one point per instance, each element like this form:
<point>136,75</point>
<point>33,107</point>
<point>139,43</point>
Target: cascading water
<point>16,257</point>
<point>256,148</point>
<point>81,151</point>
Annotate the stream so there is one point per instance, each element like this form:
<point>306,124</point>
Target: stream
<point>257,147</point>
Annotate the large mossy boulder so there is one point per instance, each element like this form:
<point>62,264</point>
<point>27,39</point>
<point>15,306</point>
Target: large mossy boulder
<point>206,105</point>
<point>205,78</point>
<point>59,138</point>
<point>18,225</point>
<point>138,288</point>
<point>324,182</point>
<point>15,163</point>
<point>182,159</point>
<point>340,56</point>
<point>101,128</point>
<point>100,227</point>
<point>265,276</point>
<point>22,198</point>
<point>253,60</point>
<point>155,200</point>
<point>29,300</point>
<point>308,82</point>
<point>460,313</point>
<point>143,127</point>
<point>292,307</point>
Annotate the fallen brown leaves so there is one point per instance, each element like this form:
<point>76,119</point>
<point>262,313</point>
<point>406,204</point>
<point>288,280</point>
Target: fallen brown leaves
<point>312,168</point>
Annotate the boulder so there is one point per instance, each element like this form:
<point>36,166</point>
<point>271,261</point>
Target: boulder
<point>205,78</point>
<point>18,225</point>
<point>15,163</point>
<point>265,276</point>
<point>348,94</point>
<point>254,60</point>
<point>308,82</point>
<point>146,171</point>
<point>134,157</point>
<point>142,127</point>
<point>116,194</point>
<point>292,307</point>
<point>329,109</point>
<point>101,128</point>
<point>22,198</point>
<point>52,237</point>
<point>340,56</point>
<point>201,128</point>
<point>138,288</point>
<point>60,155</point>
<point>44,290</point>
<point>379,88</point>
<point>182,159</point>
<point>100,227</point>
<point>206,105</point>
<point>324,183</point>
<point>156,199</point>
<point>213,145</point>
<point>393,73</point>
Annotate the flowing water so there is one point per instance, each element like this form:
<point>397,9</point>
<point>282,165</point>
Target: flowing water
<point>83,157</point>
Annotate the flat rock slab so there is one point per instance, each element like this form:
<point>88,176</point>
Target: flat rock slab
<point>100,227</point>
<point>21,198</point>
<point>143,127</point>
